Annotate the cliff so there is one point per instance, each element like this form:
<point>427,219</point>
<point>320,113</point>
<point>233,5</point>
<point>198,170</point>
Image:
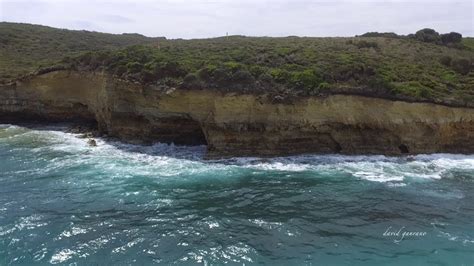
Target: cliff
<point>239,124</point>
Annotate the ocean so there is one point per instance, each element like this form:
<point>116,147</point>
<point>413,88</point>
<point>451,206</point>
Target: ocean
<point>65,202</point>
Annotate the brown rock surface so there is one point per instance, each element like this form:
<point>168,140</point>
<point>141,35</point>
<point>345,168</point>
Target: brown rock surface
<point>241,125</point>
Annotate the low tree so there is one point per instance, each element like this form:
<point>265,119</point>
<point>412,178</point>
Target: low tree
<point>452,37</point>
<point>428,35</point>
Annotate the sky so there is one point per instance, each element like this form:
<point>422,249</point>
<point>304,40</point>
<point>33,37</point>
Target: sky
<point>210,18</point>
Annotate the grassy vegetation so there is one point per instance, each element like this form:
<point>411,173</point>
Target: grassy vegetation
<point>421,67</point>
<point>25,48</point>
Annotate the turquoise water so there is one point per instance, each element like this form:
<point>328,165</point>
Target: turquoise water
<point>63,202</point>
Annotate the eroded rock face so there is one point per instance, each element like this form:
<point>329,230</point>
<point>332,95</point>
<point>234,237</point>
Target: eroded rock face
<point>242,125</point>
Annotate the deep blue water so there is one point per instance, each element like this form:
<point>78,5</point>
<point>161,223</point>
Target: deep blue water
<point>63,202</point>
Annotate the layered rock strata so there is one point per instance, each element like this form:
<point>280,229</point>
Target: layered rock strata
<point>232,124</point>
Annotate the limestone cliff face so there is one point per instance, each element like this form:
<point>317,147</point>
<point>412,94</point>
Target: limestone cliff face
<point>242,125</point>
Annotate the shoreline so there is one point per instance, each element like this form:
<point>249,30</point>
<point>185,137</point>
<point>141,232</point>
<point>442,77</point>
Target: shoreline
<point>237,125</point>
<point>84,132</point>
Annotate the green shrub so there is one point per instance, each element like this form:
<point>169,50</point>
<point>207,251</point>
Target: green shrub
<point>233,66</point>
<point>462,66</point>
<point>120,70</point>
<point>265,78</point>
<point>256,71</point>
<point>366,44</point>
<point>452,37</point>
<point>191,80</point>
<point>352,71</point>
<point>134,67</point>
<point>205,73</point>
<point>171,69</point>
<point>414,89</point>
<point>243,77</point>
<point>449,77</point>
<point>324,86</point>
<point>221,76</point>
<point>424,93</point>
<point>428,35</point>
<point>147,76</point>
<point>280,75</point>
<point>307,79</point>
<point>446,60</point>
<point>380,83</point>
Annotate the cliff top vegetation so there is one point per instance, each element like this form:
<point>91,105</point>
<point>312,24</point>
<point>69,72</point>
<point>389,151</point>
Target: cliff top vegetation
<point>25,48</point>
<point>424,66</point>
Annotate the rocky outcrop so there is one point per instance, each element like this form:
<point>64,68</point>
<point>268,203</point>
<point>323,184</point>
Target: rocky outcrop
<point>241,124</point>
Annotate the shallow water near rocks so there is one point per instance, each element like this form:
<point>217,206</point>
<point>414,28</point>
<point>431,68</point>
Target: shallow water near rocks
<point>63,202</point>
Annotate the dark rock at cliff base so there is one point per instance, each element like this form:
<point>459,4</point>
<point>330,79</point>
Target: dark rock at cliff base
<point>92,143</point>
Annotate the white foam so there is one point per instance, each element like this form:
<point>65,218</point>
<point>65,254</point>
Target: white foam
<point>280,166</point>
<point>73,232</point>
<point>265,224</point>
<point>213,224</point>
<point>62,256</point>
<point>378,177</point>
<point>30,222</point>
<point>391,184</point>
<point>8,126</point>
<point>163,161</point>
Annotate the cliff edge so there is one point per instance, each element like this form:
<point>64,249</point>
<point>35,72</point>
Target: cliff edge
<point>239,124</point>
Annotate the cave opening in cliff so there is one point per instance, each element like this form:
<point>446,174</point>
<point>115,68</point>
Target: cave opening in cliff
<point>195,137</point>
<point>403,149</point>
<point>185,131</point>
